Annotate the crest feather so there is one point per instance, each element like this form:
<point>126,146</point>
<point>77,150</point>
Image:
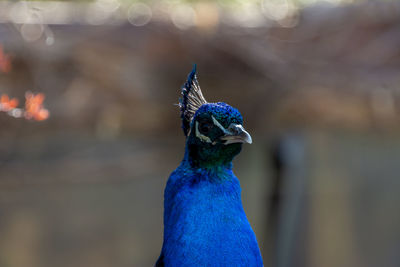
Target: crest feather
<point>192,99</point>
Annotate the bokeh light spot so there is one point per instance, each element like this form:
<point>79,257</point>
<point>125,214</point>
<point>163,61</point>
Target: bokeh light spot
<point>31,32</point>
<point>183,17</point>
<point>139,14</point>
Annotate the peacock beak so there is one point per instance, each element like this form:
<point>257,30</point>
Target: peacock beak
<point>236,134</point>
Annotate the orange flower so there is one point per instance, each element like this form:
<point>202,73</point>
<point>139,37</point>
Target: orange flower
<point>43,114</point>
<point>34,107</point>
<point>5,61</point>
<point>7,104</point>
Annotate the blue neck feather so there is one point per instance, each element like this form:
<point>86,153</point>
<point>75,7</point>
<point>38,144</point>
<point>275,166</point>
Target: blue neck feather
<point>204,220</point>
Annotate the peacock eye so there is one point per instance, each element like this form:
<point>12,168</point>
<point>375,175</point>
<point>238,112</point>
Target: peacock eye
<point>205,127</point>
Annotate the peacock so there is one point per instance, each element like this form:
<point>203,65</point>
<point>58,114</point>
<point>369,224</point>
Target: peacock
<point>204,220</point>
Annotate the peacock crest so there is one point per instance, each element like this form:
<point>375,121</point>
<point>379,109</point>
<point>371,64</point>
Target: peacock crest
<point>192,99</point>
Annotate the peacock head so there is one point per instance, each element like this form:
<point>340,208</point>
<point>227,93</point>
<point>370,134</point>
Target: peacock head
<point>214,131</point>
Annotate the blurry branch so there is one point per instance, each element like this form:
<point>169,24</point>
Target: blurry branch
<point>5,61</point>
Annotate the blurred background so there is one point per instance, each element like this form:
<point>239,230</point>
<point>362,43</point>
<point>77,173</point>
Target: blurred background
<point>318,83</point>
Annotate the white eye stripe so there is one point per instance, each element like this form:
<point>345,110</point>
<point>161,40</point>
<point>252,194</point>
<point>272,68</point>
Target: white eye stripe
<point>206,138</point>
<point>216,123</point>
<point>201,136</point>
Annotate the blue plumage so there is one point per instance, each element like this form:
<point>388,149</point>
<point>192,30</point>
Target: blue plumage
<point>204,220</point>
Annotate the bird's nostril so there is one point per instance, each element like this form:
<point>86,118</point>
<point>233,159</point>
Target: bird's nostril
<point>237,130</point>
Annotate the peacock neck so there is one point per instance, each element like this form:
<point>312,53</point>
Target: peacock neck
<point>207,162</point>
